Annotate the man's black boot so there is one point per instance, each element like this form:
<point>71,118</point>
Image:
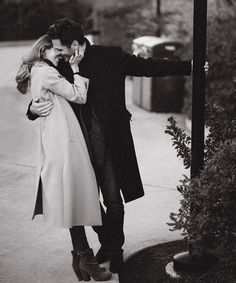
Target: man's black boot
<point>102,255</point>
<point>116,261</point>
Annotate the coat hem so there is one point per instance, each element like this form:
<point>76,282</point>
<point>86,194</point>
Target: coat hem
<point>129,199</point>
<point>66,226</point>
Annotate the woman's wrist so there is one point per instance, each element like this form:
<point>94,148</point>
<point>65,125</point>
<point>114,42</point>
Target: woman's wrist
<point>75,69</point>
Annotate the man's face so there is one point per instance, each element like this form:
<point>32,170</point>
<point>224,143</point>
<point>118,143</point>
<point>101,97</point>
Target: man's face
<point>66,52</point>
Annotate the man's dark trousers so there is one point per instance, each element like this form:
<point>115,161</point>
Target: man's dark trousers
<point>110,234</point>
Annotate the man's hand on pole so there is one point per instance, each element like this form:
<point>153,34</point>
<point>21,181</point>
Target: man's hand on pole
<point>206,67</point>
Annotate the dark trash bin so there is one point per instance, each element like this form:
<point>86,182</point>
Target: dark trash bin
<point>159,94</point>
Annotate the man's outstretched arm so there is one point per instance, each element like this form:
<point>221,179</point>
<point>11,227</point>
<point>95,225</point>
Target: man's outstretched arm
<point>39,109</point>
<point>152,67</point>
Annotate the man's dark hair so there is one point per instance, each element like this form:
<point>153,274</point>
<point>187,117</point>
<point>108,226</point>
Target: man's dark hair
<point>67,31</point>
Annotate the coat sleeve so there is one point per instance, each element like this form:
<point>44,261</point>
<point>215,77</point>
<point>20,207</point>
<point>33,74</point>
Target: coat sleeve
<point>151,67</point>
<point>76,92</point>
<point>29,114</point>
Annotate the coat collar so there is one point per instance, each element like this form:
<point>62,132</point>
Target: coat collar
<point>49,63</point>
<point>85,64</point>
<point>44,62</point>
<point>86,53</point>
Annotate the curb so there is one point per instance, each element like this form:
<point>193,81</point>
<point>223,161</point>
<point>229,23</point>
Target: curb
<point>18,43</point>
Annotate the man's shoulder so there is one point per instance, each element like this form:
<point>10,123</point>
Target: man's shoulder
<point>103,49</point>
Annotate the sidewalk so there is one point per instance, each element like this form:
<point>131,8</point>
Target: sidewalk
<point>34,252</point>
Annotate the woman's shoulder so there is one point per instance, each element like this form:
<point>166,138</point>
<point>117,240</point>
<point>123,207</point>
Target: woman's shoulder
<point>42,66</point>
<point>44,70</point>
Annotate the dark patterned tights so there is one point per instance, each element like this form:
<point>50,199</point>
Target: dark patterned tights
<point>79,239</point>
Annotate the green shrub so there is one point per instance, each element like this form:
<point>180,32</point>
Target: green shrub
<point>207,214</point>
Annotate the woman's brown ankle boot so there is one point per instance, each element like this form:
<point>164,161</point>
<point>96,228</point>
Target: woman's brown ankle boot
<point>75,264</point>
<point>89,267</point>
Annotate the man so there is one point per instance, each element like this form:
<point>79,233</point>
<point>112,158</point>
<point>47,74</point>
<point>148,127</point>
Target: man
<point>106,124</point>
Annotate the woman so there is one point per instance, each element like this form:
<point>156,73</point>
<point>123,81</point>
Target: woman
<point>67,192</point>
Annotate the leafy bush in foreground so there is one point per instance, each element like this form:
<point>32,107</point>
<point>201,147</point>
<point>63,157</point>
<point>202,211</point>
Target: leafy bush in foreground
<point>207,214</point>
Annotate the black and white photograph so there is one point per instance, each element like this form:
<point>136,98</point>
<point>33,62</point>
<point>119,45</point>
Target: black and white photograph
<point>118,141</point>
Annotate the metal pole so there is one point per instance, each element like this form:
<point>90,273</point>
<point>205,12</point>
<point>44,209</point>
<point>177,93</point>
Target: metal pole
<point>198,86</point>
<point>158,7</point>
<point>185,261</point>
<point>159,20</point>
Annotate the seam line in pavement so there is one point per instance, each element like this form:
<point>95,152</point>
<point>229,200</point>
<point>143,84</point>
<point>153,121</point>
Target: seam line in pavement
<point>18,165</point>
<point>158,187</point>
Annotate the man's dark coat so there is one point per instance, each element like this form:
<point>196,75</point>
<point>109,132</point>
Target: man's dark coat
<point>107,68</point>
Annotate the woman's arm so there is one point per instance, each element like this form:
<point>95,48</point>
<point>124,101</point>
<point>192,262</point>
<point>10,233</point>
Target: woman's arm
<point>76,92</point>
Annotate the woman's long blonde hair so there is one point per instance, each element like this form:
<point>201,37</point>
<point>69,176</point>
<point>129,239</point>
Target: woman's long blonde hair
<point>35,54</point>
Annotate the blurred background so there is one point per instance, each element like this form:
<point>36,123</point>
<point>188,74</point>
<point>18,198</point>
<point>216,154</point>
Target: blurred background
<point>34,252</point>
<point>119,22</point>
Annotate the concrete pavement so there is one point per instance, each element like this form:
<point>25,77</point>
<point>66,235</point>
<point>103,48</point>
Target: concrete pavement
<point>33,251</point>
